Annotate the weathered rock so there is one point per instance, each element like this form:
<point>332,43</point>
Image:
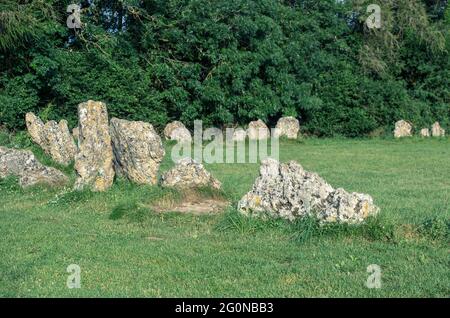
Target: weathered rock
<point>402,129</point>
<point>23,164</point>
<point>213,133</point>
<point>287,127</point>
<point>239,135</point>
<point>188,173</point>
<point>94,160</point>
<point>177,131</point>
<point>54,138</point>
<point>75,133</point>
<point>138,150</point>
<point>257,130</point>
<point>35,128</point>
<point>425,132</point>
<point>288,191</point>
<point>61,145</point>
<point>437,131</point>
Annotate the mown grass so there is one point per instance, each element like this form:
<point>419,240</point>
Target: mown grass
<point>126,249</point>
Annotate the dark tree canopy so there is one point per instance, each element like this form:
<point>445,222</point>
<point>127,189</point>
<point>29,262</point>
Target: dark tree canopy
<point>229,62</point>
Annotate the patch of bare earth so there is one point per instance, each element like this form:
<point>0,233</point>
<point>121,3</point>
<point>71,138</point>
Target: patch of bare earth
<point>192,202</point>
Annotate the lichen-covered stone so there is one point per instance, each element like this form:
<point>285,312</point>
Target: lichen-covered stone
<point>187,173</point>
<point>288,191</point>
<point>23,164</point>
<point>75,133</point>
<point>177,131</point>
<point>257,130</point>
<point>425,132</point>
<point>54,138</point>
<point>94,160</point>
<point>437,130</point>
<point>402,129</point>
<point>138,150</point>
<point>239,135</point>
<point>287,127</point>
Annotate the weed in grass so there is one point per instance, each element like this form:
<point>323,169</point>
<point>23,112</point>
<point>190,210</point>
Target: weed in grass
<point>436,228</point>
<point>130,211</point>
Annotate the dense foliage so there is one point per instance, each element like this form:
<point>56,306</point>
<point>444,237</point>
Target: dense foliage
<point>229,62</point>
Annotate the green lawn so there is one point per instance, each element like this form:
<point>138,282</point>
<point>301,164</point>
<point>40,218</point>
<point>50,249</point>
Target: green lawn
<point>139,253</point>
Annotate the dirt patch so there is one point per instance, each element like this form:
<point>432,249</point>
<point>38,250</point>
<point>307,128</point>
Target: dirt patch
<point>191,202</point>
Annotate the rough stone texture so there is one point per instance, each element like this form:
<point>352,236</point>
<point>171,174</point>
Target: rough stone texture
<point>138,150</point>
<point>287,127</point>
<point>239,134</point>
<point>54,138</point>
<point>23,164</point>
<point>177,131</point>
<point>288,191</point>
<point>402,129</point>
<point>94,160</point>
<point>61,145</point>
<point>187,173</point>
<point>425,132</point>
<point>257,130</point>
<point>75,133</point>
<point>437,131</point>
<point>35,128</point>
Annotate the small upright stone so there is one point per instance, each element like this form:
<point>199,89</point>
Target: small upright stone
<point>402,129</point>
<point>54,138</point>
<point>94,160</point>
<point>75,133</point>
<point>177,131</point>
<point>437,131</point>
<point>425,132</point>
<point>288,127</point>
<point>138,150</point>
<point>257,130</point>
<point>23,164</point>
<point>239,135</point>
<point>187,173</point>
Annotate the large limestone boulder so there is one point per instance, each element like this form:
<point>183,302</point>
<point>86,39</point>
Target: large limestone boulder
<point>94,160</point>
<point>23,164</point>
<point>288,191</point>
<point>54,138</point>
<point>187,173</point>
<point>257,130</point>
<point>425,132</point>
<point>437,131</point>
<point>402,129</point>
<point>177,131</point>
<point>287,127</point>
<point>138,150</point>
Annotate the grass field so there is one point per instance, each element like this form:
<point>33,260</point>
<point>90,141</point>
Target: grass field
<point>126,250</point>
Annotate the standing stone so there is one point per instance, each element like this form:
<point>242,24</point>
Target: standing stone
<point>257,130</point>
<point>437,131</point>
<point>288,191</point>
<point>187,173</point>
<point>23,164</point>
<point>94,160</point>
<point>138,150</point>
<point>75,133</point>
<point>287,127</point>
<point>54,138</point>
<point>239,135</point>
<point>425,132</point>
<point>177,131</point>
<point>35,128</point>
<point>402,129</point>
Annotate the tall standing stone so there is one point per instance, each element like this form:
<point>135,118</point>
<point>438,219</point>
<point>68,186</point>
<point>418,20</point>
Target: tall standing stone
<point>94,160</point>
<point>437,131</point>
<point>288,127</point>
<point>138,150</point>
<point>402,129</point>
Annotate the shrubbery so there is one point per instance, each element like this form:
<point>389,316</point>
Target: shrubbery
<point>226,62</point>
